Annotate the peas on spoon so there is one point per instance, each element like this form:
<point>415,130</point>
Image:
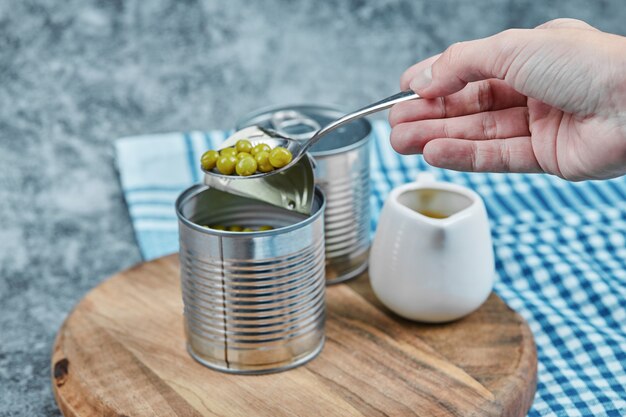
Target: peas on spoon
<point>294,149</point>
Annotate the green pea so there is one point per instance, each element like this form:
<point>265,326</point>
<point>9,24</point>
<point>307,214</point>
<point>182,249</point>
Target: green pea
<point>279,157</point>
<point>226,164</point>
<point>246,166</point>
<point>242,155</point>
<point>217,227</point>
<point>261,147</point>
<point>262,157</point>
<point>263,161</point>
<point>244,145</point>
<point>266,167</point>
<point>264,228</point>
<point>228,151</point>
<point>235,228</point>
<point>209,160</point>
<point>247,229</point>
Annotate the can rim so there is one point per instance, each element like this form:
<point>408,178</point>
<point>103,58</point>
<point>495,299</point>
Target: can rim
<point>326,108</point>
<point>196,189</point>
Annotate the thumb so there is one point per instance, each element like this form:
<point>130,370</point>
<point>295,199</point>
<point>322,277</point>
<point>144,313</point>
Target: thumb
<point>464,62</point>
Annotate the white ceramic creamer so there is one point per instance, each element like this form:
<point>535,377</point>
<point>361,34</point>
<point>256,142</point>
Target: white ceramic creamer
<point>432,257</point>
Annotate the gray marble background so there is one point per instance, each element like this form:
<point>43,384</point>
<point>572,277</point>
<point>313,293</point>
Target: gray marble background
<point>76,74</point>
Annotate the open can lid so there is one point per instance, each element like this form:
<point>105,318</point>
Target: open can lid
<point>302,120</point>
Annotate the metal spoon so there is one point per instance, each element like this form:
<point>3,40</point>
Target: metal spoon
<point>299,147</point>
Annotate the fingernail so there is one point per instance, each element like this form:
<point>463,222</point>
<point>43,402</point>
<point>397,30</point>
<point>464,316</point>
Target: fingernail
<point>422,80</point>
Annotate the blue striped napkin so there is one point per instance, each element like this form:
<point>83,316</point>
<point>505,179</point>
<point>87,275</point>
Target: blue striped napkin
<point>560,251</point>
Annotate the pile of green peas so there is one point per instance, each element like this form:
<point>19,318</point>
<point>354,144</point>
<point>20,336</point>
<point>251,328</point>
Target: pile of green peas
<point>245,159</point>
<point>237,228</point>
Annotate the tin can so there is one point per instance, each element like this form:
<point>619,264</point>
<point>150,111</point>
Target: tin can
<point>343,173</point>
<point>253,301</point>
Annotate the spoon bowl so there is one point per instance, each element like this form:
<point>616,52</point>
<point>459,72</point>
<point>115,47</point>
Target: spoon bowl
<point>257,135</point>
<point>298,147</point>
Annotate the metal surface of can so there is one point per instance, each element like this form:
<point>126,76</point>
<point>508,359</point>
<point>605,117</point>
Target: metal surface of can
<point>342,171</point>
<point>254,301</point>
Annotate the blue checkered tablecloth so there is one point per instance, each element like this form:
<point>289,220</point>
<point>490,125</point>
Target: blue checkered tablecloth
<point>560,250</point>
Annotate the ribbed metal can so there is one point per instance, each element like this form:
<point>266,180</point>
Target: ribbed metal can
<point>343,173</point>
<point>253,301</point>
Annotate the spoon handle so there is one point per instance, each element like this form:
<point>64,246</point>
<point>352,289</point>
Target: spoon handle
<point>372,108</point>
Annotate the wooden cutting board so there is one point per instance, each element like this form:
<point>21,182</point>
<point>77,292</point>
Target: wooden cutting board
<point>121,352</point>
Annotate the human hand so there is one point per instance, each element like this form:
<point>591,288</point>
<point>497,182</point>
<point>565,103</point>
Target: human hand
<point>550,99</point>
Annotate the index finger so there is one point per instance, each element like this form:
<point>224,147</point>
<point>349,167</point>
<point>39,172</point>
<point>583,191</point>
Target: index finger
<point>415,69</point>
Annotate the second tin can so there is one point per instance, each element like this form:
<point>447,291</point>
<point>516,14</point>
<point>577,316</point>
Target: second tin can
<point>342,171</point>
